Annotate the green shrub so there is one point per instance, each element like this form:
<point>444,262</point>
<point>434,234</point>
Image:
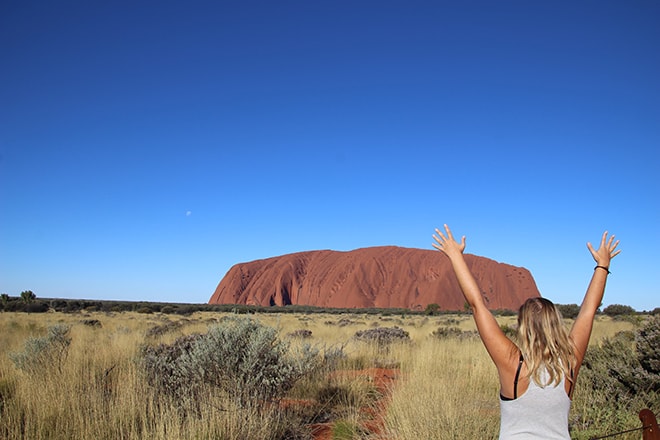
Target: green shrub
<point>36,307</point>
<point>618,310</point>
<point>42,353</point>
<point>618,379</point>
<point>240,357</point>
<point>168,310</point>
<point>160,330</point>
<point>453,332</point>
<point>432,309</point>
<point>92,323</point>
<point>510,331</point>
<point>332,357</point>
<point>383,335</point>
<point>569,311</point>
<point>647,342</point>
<point>300,334</point>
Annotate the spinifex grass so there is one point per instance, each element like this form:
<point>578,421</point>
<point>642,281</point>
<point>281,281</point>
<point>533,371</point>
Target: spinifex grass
<point>447,388</point>
<point>100,392</point>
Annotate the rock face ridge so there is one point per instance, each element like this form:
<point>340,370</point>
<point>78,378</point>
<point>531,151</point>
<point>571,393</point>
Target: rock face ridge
<point>380,277</point>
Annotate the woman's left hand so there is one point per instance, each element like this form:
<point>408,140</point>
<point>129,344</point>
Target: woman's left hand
<point>606,251</point>
<point>447,244</point>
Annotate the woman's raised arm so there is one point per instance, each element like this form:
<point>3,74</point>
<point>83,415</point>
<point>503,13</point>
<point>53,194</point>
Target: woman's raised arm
<point>499,347</point>
<point>581,331</point>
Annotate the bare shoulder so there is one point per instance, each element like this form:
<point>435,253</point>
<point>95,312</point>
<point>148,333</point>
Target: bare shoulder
<point>514,366</point>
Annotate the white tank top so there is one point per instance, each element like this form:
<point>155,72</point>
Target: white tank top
<point>540,413</point>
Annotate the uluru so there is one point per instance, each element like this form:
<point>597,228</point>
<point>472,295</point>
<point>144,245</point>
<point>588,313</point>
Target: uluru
<point>372,277</point>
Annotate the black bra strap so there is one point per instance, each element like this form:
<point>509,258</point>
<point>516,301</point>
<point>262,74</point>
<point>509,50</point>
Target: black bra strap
<point>515,381</point>
<point>570,389</point>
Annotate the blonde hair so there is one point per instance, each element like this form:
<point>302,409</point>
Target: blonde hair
<point>544,341</point>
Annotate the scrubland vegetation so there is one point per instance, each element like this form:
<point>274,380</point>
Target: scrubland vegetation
<point>219,375</point>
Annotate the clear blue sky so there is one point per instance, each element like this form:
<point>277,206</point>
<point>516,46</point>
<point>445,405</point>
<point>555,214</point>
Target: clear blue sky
<point>146,147</point>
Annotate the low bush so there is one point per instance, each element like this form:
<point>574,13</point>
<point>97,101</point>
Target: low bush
<point>617,379</point>
<point>160,330</point>
<point>510,331</point>
<point>168,310</point>
<point>383,335</point>
<point>618,310</point>
<point>453,332</point>
<point>36,307</point>
<point>300,334</point>
<point>569,311</point>
<point>40,354</point>
<point>332,357</point>
<point>343,322</point>
<point>240,357</point>
<point>647,341</point>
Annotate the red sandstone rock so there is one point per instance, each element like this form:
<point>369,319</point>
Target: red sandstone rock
<point>381,277</point>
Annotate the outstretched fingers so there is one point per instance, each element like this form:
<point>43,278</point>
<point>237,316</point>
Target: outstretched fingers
<point>445,242</point>
<point>610,245</point>
<point>608,248</point>
<point>612,248</point>
<point>441,241</point>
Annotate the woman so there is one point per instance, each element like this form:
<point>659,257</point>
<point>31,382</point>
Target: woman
<point>537,375</point>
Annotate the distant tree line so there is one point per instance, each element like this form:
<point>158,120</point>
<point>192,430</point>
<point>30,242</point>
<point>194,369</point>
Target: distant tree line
<point>41,305</point>
<point>28,302</point>
<point>571,311</point>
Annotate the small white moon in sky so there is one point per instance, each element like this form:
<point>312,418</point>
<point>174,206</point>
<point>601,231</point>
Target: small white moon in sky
<point>188,213</point>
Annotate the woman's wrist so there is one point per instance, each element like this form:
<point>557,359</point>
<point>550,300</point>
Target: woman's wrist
<point>605,268</point>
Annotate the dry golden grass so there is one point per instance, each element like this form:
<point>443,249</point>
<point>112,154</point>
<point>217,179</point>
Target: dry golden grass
<point>606,327</point>
<point>100,393</point>
<point>447,388</point>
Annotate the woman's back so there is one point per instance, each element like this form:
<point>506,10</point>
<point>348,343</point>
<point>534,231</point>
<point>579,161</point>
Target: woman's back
<point>539,413</point>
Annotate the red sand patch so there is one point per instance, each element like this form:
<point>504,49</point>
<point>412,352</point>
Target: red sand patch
<point>383,380</point>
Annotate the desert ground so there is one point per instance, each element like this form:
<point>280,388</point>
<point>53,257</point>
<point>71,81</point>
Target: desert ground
<point>438,382</point>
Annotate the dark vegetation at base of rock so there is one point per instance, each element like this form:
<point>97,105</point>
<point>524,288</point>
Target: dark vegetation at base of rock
<point>86,305</point>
